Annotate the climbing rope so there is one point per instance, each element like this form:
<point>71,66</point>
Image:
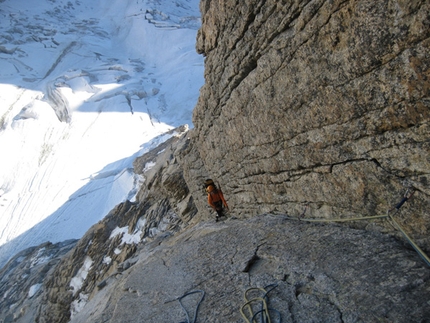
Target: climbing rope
<point>411,242</point>
<point>348,219</point>
<point>197,307</point>
<point>265,310</point>
<point>408,194</point>
<point>262,318</point>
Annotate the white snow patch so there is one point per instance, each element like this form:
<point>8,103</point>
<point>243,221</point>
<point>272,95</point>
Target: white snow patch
<point>33,290</point>
<point>78,280</point>
<point>107,260</point>
<point>140,224</point>
<point>78,304</point>
<point>122,83</point>
<point>126,237</point>
<point>148,166</point>
<point>39,258</point>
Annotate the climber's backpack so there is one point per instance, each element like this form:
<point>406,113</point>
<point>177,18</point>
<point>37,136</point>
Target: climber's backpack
<point>211,189</point>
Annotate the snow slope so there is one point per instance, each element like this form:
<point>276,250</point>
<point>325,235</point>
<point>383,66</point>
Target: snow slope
<point>85,87</point>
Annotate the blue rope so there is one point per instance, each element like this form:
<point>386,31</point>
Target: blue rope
<point>197,307</point>
<point>263,317</point>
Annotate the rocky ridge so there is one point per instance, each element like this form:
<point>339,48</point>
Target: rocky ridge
<point>22,280</point>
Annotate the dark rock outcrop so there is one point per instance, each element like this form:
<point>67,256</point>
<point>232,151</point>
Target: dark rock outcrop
<point>324,103</point>
<point>22,280</point>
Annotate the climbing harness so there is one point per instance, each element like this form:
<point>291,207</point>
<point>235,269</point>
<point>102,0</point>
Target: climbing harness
<point>197,307</point>
<point>264,312</point>
<point>409,193</point>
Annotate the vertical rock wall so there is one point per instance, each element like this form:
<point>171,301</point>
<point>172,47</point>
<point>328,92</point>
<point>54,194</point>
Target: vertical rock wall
<point>319,102</point>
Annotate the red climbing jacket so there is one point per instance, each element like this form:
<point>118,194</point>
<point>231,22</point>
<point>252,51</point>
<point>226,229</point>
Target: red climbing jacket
<point>215,198</point>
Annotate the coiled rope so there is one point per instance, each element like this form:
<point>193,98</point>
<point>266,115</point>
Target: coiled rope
<point>409,193</point>
<point>264,311</point>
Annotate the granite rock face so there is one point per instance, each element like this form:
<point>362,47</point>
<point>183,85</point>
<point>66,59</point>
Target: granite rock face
<point>318,103</point>
<point>343,275</point>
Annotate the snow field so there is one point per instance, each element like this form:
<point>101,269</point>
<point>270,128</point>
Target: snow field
<point>85,88</point>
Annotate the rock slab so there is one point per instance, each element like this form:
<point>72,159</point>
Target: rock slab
<point>323,273</point>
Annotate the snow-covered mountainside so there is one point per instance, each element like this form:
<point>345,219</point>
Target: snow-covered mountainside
<point>85,87</point>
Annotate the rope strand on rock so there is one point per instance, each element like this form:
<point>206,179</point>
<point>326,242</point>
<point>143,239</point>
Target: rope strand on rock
<point>347,219</point>
<point>197,307</point>
<point>411,242</point>
<point>408,194</point>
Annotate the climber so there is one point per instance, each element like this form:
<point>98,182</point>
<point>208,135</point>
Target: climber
<point>215,198</point>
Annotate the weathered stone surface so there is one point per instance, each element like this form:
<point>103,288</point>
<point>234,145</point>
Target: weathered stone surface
<point>134,264</point>
<point>22,280</point>
<point>164,176</point>
<point>108,247</point>
<point>319,102</point>
<point>325,273</point>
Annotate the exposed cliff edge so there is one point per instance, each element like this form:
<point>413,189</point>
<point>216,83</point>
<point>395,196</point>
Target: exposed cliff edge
<point>317,109</point>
